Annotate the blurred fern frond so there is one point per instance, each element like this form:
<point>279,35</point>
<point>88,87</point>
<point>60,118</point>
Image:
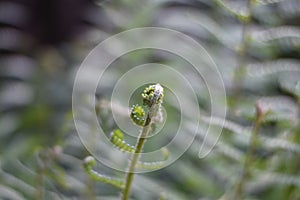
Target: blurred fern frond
<point>273,67</point>
<point>267,142</point>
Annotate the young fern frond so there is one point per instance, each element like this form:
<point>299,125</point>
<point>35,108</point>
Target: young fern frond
<point>137,115</point>
<point>150,165</point>
<point>152,99</point>
<point>156,164</point>
<point>153,95</point>
<point>117,138</point>
<point>89,162</point>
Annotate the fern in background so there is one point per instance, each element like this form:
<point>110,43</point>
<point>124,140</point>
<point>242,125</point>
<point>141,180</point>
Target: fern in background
<point>255,45</point>
<point>264,149</point>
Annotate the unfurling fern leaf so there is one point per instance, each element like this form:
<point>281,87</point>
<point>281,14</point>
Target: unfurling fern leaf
<point>137,115</point>
<point>156,164</point>
<point>117,138</point>
<point>152,99</point>
<point>153,94</point>
<point>88,163</point>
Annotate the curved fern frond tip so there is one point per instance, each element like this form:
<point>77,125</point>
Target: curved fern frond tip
<point>89,162</point>
<point>137,115</point>
<point>153,94</point>
<point>165,152</point>
<point>153,97</point>
<point>155,164</point>
<point>117,138</point>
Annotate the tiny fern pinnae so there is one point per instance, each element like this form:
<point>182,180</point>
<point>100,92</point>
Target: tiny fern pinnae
<point>156,164</point>
<point>117,138</point>
<point>89,162</point>
<point>137,115</point>
<point>249,157</point>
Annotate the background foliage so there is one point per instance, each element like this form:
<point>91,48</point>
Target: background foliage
<point>255,46</point>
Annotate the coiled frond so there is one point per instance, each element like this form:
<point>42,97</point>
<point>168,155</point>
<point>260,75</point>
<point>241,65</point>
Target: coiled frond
<point>137,115</point>
<point>153,95</point>
<point>88,163</point>
<point>117,138</point>
<point>156,164</point>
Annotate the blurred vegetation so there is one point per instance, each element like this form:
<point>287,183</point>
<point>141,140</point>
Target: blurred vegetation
<point>255,45</point>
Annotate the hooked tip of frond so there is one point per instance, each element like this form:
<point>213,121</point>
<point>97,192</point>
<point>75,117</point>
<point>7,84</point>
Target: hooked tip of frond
<point>153,94</point>
<point>89,161</point>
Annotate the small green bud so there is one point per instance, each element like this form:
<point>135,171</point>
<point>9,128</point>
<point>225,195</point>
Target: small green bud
<point>153,95</point>
<point>137,115</point>
<point>89,161</point>
<point>117,138</point>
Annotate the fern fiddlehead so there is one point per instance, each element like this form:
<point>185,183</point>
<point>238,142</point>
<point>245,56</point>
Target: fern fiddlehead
<point>137,115</point>
<point>117,138</point>
<point>155,164</point>
<point>88,163</point>
<point>152,99</point>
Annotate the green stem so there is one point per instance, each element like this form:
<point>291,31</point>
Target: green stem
<point>99,177</point>
<point>292,167</point>
<point>242,53</point>
<point>40,184</point>
<point>249,155</point>
<point>135,157</point>
<point>90,190</point>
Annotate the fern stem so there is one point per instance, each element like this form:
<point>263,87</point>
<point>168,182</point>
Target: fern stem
<point>40,184</point>
<point>293,166</point>
<point>240,71</point>
<point>249,155</point>
<point>135,157</point>
<point>90,190</point>
<point>152,97</point>
<point>99,177</point>
<point>88,164</point>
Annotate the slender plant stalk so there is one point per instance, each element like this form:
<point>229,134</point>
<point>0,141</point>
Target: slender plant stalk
<point>237,82</point>
<point>292,167</point>
<point>249,155</point>
<point>152,97</point>
<point>90,190</point>
<point>44,163</point>
<point>135,157</point>
<point>40,184</point>
<point>242,52</point>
